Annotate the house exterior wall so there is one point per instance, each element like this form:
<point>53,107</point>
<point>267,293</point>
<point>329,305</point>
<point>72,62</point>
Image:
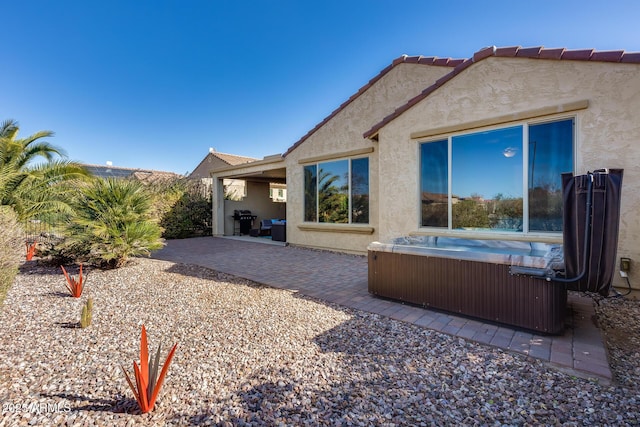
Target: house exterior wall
<point>341,135</point>
<point>607,131</point>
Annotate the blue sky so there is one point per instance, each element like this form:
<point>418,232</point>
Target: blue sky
<point>153,84</point>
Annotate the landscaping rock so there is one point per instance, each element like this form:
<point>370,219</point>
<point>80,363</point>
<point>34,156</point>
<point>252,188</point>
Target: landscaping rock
<point>252,355</point>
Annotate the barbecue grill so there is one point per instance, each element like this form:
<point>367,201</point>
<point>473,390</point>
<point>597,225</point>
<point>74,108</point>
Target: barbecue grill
<point>243,221</point>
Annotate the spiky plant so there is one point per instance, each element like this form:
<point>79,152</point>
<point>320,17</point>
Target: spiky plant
<point>75,286</point>
<point>148,383</point>
<point>31,250</point>
<point>87,313</point>
<point>112,223</point>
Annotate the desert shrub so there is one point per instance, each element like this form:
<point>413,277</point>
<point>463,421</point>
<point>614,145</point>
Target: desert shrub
<point>189,217</point>
<point>112,222</point>
<point>182,208</point>
<point>12,247</point>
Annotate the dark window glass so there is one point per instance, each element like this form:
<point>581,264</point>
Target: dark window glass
<point>310,193</point>
<point>360,191</point>
<point>434,189</point>
<point>333,192</point>
<point>550,155</point>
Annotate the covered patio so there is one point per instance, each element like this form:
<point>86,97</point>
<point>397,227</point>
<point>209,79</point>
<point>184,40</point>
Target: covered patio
<point>261,177</point>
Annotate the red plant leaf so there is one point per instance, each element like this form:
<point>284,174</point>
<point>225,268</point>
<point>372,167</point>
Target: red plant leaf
<point>31,250</point>
<point>145,393</point>
<point>165,368</point>
<point>74,287</point>
<point>142,390</point>
<point>144,360</point>
<point>131,386</point>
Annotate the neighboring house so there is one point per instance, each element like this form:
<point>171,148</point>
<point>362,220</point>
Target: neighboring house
<point>491,133</point>
<point>144,175</point>
<point>235,189</point>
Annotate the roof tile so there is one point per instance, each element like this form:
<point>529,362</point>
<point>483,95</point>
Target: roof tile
<point>484,53</point>
<point>455,62</point>
<point>608,56</point>
<point>507,51</point>
<point>529,52</point>
<point>551,53</point>
<point>631,58</point>
<point>427,60</point>
<point>578,55</point>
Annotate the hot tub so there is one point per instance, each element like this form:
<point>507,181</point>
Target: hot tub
<point>473,278</point>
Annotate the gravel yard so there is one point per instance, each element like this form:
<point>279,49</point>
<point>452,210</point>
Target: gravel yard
<point>252,355</point>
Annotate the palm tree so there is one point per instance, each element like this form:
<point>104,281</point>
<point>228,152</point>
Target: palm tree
<point>31,188</point>
<point>112,222</point>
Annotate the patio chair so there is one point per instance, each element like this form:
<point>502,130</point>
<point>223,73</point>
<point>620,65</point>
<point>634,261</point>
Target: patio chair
<point>265,227</point>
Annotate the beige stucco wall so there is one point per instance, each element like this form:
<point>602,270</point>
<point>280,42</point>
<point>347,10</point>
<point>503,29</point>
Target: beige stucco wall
<point>342,134</point>
<point>607,131</point>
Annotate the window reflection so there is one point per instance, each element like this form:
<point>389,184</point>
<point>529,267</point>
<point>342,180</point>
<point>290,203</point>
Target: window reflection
<point>333,192</point>
<point>360,191</point>
<point>550,155</point>
<point>310,193</point>
<point>434,170</point>
<point>486,177</point>
<point>487,172</point>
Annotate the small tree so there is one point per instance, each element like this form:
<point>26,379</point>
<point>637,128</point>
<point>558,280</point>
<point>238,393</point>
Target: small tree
<point>112,222</point>
<point>34,189</point>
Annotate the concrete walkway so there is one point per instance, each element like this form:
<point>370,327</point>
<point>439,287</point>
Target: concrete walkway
<point>342,279</point>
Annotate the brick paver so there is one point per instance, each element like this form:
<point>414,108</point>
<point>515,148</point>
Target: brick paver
<point>342,279</point>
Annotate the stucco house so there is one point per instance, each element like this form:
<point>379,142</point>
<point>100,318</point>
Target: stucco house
<point>235,189</point>
<point>461,147</point>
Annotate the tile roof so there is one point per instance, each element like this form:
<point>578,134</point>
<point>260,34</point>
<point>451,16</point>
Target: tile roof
<point>232,159</point>
<point>228,159</point>
<point>619,56</point>
<point>404,59</point>
<point>107,171</point>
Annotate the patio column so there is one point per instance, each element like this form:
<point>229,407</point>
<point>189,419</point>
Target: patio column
<point>217,213</point>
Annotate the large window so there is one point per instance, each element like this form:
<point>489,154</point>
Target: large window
<point>478,181</point>
<point>337,192</point>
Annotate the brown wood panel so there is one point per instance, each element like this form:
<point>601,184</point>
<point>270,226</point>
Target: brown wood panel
<point>477,289</point>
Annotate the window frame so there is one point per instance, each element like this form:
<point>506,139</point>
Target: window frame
<point>349,160</point>
<point>525,124</point>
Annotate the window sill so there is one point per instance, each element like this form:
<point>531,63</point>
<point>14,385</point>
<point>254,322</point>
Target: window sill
<point>337,228</point>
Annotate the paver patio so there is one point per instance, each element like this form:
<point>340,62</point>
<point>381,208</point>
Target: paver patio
<point>342,279</point>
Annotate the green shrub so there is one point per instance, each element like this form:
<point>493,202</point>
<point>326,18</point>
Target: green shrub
<point>189,217</point>
<point>182,208</point>
<point>111,223</point>
<point>12,248</point>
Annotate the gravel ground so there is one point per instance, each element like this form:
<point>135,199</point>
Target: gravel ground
<point>253,355</point>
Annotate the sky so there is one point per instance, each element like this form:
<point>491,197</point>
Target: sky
<point>153,84</point>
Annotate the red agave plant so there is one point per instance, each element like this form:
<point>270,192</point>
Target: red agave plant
<point>74,285</point>
<point>148,387</point>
